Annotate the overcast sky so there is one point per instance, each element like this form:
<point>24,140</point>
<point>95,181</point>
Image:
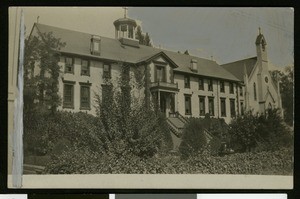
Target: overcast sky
<point>222,34</point>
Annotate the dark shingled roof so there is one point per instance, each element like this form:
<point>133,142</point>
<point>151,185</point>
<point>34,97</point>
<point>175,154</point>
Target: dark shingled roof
<point>237,67</point>
<point>111,49</point>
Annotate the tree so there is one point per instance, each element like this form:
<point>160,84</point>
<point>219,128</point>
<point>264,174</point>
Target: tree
<point>42,52</point>
<point>139,35</point>
<point>129,128</point>
<point>286,79</point>
<point>144,39</point>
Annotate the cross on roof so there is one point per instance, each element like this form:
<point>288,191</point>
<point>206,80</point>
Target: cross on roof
<point>259,30</point>
<point>125,11</point>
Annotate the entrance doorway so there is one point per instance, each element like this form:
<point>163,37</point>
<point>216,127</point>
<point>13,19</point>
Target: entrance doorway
<point>162,103</point>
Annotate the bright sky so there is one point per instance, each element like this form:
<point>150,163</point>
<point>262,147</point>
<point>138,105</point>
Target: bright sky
<point>227,34</point>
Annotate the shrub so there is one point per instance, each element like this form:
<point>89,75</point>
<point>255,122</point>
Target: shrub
<point>243,132</point>
<point>261,132</point>
<point>44,131</point>
<point>83,161</point>
<point>193,139</point>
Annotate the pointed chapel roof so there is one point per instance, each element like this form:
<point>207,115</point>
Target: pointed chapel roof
<point>237,68</point>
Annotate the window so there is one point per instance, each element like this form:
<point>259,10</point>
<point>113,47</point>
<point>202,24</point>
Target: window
<point>160,74</point>
<point>241,91</point>
<point>232,107</point>
<point>223,107</point>
<point>231,87</point>
<point>123,28</point>
<point>69,67</point>
<point>106,71</point>
<point>202,105</point>
<point>222,86</point>
<point>254,90</point>
<point>68,95</point>
<point>201,85</point>
<point>242,108</point>
<point>186,82</point>
<point>188,107</point>
<point>84,96</point>
<point>210,85</point>
<point>211,106</point>
<point>130,32</point>
<point>96,46</point>
<point>85,69</point>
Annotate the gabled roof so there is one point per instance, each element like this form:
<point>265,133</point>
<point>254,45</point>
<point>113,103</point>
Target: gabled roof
<point>111,49</point>
<point>237,68</point>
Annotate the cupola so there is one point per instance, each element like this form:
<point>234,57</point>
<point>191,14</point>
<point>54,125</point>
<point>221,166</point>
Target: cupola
<point>125,29</point>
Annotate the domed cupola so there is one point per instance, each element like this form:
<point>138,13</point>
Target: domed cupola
<point>125,29</point>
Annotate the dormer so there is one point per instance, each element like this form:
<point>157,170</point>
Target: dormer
<point>95,45</point>
<point>194,65</point>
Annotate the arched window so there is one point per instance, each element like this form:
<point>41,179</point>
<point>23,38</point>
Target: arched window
<point>254,90</point>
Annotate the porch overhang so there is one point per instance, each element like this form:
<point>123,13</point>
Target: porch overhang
<point>163,86</point>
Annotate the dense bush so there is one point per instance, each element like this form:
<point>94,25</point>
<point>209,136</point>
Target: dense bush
<point>193,139</point>
<point>129,126</point>
<point>83,161</point>
<point>260,132</point>
<point>43,132</point>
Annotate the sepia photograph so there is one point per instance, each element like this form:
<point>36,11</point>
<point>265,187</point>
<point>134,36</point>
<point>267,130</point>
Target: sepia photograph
<point>153,90</point>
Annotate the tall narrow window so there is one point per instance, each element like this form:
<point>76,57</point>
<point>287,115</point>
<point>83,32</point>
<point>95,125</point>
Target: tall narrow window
<point>210,85</point>
<point>69,66</point>
<point>106,71</point>
<point>188,106</point>
<point>232,107</point>
<point>202,105</point>
<point>223,107</point>
<point>211,106</point>
<point>85,69</point>
<point>254,90</point>
<point>68,95</point>
<point>160,73</point>
<point>222,86</point>
<point>187,82</point>
<point>241,91</point>
<point>201,85</point>
<point>85,97</point>
<point>231,90</point>
<point>242,108</point>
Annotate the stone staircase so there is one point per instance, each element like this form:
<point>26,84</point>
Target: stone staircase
<point>176,124</point>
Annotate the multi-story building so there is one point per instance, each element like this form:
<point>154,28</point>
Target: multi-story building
<point>178,82</point>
